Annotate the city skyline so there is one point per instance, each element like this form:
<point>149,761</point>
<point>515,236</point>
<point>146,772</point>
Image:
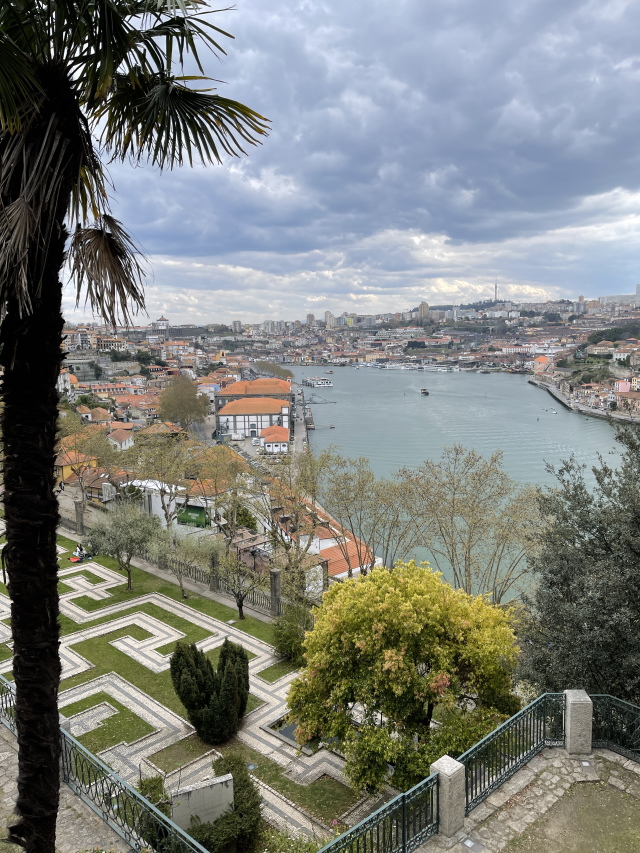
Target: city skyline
<point>416,155</point>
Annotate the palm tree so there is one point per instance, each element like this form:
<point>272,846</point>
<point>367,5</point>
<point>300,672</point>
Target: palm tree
<point>78,79</point>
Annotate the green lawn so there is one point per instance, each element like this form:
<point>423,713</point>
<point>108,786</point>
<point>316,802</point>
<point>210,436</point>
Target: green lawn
<point>325,798</point>
<point>277,670</point>
<point>144,583</point>
<point>180,753</point>
<point>125,725</point>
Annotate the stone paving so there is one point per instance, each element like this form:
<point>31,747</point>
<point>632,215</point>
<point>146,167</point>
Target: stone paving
<point>79,828</point>
<point>130,760</point>
<point>528,795</point>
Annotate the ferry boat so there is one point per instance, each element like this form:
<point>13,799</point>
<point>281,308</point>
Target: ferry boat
<point>317,382</point>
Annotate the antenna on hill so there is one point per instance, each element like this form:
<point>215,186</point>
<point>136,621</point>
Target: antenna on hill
<point>495,291</point>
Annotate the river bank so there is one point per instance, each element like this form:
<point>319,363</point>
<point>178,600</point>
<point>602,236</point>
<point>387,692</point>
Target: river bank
<point>573,406</point>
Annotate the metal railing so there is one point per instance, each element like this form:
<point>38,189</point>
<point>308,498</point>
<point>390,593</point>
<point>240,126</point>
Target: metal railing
<point>506,749</point>
<point>400,826</point>
<point>123,808</point>
<point>616,726</point>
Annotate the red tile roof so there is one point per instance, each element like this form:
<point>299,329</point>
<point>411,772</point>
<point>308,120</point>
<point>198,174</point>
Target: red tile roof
<point>254,406</point>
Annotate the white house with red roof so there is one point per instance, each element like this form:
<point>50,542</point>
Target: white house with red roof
<point>275,439</point>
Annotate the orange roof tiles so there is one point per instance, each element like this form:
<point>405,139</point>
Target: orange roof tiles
<point>254,406</point>
<point>275,433</point>
<point>256,386</point>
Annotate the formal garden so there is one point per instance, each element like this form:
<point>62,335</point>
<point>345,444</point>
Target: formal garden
<point>117,693</point>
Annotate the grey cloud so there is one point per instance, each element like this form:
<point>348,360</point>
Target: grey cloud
<point>482,122</point>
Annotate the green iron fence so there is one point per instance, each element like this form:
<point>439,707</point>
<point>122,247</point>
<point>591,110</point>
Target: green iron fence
<point>616,726</point>
<point>123,808</point>
<point>502,753</point>
<point>400,826</point>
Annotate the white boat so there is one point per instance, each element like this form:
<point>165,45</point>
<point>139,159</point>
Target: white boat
<point>317,382</point>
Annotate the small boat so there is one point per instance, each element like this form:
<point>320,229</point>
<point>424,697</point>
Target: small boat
<point>424,392</point>
<point>328,371</point>
<point>331,426</point>
<point>553,412</point>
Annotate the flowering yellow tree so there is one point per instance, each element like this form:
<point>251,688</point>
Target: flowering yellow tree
<point>385,651</point>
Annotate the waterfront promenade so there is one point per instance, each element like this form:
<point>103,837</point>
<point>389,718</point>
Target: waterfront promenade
<point>574,406</point>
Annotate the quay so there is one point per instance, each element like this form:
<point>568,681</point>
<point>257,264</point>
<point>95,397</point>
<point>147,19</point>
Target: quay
<point>604,415</point>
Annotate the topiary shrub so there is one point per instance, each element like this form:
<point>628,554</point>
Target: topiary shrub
<point>234,831</point>
<point>216,700</point>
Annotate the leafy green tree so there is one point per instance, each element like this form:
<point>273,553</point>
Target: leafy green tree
<point>585,610</point>
<point>123,534</point>
<point>386,649</point>
<point>77,78</point>
<point>181,403</point>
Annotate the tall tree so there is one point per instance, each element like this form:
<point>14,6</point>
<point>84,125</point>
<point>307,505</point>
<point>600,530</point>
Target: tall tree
<point>71,71</point>
<point>123,533</point>
<point>477,523</point>
<point>181,403</point>
<point>585,610</point>
<point>378,512</point>
<point>385,649</point>
<point>164,461</point>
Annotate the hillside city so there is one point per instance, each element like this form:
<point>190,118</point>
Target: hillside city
<point>220,630</point>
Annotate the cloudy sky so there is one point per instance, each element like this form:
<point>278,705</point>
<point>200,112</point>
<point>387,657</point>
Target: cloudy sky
<point>418,150</point>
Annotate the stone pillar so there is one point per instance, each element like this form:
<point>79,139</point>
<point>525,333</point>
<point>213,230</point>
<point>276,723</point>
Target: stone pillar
<point>325,575</point>
<point>274,578</point>
<point>578,721</point>
<point>214,580</point>
<point>452,796</point>
<point>78,505</point>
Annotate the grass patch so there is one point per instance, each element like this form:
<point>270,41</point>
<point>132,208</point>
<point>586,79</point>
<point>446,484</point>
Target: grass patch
<point>180,753</point>
<point>114,729</point>
<point>277,670</point>
<point>106,658</point>
<point>326,798</point>
<point>5,652</point>
<point>144,583</point>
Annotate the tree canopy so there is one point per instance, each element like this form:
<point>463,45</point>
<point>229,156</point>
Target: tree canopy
<point>181,403</point>
<point>585,610</point>
<point>123,534</point>
<point>385,650</point>
<point>476,522</point>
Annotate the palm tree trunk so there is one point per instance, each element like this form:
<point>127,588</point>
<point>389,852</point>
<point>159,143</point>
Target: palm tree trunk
<point>31,357</point>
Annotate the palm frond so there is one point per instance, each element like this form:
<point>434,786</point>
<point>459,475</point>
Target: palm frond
<point>164,121</point>
<point>104,259</point>
<point>18,84</point>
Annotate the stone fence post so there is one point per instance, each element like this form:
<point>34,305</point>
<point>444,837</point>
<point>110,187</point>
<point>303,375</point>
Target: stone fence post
<point>452,796</point>
<point>274,578</point>
<point>578,722</point>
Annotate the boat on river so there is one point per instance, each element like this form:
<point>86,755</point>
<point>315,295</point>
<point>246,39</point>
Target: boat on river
<point>424,392</point>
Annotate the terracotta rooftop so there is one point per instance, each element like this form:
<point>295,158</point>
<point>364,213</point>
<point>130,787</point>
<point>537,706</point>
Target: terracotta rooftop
<point>254,406</point>
<point>275,433</point>
<point>256,387</point>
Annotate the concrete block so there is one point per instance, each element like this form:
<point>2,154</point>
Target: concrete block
<point>451,794</point>
<point>578,722</point>
<point>206,800</point>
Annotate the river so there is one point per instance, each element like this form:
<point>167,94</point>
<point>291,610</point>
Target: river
<point>382,415</point>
